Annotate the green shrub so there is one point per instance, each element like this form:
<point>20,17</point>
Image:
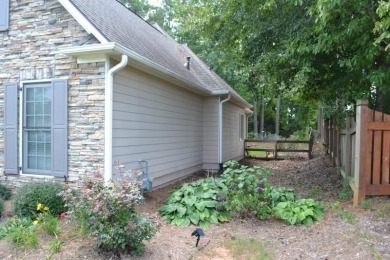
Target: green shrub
<point>304,211</point>
<point>1,206</point>
<point>248,189</point>
<point>27,198</point>
<point>5,192</point>
<point>200,203</point>
<point>108,213</point>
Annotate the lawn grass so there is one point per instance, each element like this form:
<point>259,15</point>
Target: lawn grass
<point>249,249</point>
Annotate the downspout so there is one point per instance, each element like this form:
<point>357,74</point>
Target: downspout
<point>220,128</point>
<point>108,111</point>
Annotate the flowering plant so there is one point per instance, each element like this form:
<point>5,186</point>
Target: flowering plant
<point>47,221</point>
<point>107,212</point>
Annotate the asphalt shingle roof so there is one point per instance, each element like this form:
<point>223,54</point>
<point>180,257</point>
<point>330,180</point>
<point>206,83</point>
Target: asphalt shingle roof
<point>118,24</point>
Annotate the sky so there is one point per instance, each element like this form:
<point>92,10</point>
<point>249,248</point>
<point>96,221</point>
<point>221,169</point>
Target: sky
<point>155,2</point>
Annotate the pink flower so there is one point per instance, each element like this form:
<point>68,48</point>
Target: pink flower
<point>63,215</point>
<point>96,175</point>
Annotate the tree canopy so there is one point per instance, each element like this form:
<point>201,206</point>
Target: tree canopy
<point>307,51</point>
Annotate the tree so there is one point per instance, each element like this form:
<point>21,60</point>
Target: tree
<point>322,50</point>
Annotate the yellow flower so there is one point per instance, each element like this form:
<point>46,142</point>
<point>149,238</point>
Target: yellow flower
<point>39,206</point>
<point>35,222</point>
<point>46,209</point>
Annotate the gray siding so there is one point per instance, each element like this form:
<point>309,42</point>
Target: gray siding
<point>156,121</point>
<point>233,147</point>
<point>210,131</point>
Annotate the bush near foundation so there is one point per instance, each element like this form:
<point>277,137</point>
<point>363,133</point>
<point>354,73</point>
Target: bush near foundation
<point>47,193</point>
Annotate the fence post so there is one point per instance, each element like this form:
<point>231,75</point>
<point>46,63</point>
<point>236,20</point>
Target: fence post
<point>330,139</point>
<point>347,150</point>
<point>334,145</point>
<point>311,141</point>
<point>362,115</point>
<point>326,134</point>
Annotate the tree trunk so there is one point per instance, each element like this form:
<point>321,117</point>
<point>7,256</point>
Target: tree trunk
<point>255,124</point>
<point>277,116</point>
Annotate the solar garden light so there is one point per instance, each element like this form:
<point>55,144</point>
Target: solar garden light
<point>198,233</point>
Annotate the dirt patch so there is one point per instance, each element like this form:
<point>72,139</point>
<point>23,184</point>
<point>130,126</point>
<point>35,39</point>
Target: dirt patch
<point>344,233</point>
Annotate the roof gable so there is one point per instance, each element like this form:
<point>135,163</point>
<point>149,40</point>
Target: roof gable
<point>111,21</point>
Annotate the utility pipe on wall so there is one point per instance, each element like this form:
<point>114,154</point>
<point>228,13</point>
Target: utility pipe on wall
<point>220,128</point>
<point>108,111</point>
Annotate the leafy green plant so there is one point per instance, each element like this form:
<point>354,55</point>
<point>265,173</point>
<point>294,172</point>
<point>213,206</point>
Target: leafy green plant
<point>19,231</point>
<point>351,219</point>
<point>304,211</point>
<point>55,246</point>
<point>5,192</point>
<point>108,213</point>
<point>1,206</point>
<point>27,198</point>
<point>47,222</point>
<point>248,189</point>
<point>367,204</point>
<point>346,192</point>
<point>335,205</point>
<point>281,194</point>
<point>200,203</point>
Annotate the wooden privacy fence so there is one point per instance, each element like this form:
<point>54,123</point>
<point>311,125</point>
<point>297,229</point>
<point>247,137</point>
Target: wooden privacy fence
<point>273,148</point>
<point>361,151</point>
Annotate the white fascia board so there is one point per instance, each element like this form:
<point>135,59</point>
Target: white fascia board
<point>84,52</point>
<point>84,22</point>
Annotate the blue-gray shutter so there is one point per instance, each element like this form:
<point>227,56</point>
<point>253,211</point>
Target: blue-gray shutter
<point>4,15</point>
<point>60,128</point>
<point>11,128</point>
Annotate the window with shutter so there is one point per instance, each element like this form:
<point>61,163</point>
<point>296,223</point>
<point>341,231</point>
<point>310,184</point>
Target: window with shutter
<point>4,15</point>
<point>44,128</point>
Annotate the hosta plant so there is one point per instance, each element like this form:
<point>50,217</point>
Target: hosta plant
<point>200,203</point>
<point>302,211</point>
<point>248,189</point>
<point>281,194</point>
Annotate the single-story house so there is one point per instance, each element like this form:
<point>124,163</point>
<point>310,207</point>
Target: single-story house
<point>85,83</point>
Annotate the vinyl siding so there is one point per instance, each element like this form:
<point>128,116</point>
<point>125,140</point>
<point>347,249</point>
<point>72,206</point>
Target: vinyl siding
<point>233,147</point>
<point>210,131</point>
<point>159,122</point>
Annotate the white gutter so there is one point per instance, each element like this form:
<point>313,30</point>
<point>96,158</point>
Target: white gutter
<point>137,60</point>
<point>108,111</point>
<point>220,128</point>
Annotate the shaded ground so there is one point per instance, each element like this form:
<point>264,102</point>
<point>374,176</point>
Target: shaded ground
<point>360,234</point>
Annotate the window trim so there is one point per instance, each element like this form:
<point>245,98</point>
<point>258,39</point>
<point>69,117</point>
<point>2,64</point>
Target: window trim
<point>21,143</point>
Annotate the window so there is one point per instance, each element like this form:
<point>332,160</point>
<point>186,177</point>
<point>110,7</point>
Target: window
<point>36,141</point>
<point>4,15</point>
<point>37,130</point>
<point>242,127</point>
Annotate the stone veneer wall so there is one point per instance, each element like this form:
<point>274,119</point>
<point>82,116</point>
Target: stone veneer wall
<point>29,51</point>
